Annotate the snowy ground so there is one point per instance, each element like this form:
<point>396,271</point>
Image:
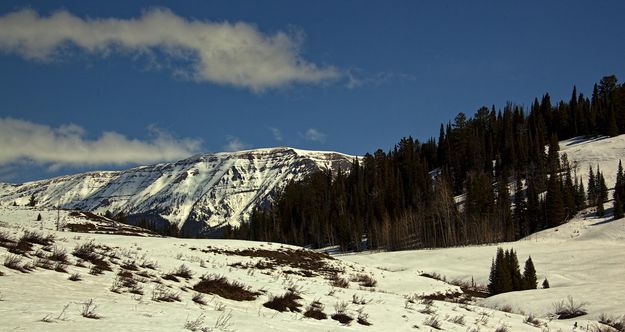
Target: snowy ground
<point>46,299</point>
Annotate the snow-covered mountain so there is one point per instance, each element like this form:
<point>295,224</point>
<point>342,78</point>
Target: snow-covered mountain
<point>203,192</point>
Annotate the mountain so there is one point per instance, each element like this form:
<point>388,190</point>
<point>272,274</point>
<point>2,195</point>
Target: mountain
<point>200,194</point>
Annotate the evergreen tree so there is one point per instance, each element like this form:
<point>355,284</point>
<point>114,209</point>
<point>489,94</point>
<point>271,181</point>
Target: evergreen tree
<point>493,283</point>
<point>554,203</point>
<point>32,202</point>
<point>529,275</point>
<point>602,193</point>
<point>515,274</point>
<point>546,283</point>
<point>592,187</point>
<point>39,217</point>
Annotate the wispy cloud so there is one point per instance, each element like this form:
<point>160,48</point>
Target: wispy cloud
<point>235,54</point>
<point>314,135</point>
<point>358,78</point>
<point>67,146</point>
<point>277,134</point>
<point>235,144</point>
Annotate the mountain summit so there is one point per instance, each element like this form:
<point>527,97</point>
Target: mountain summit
<point>200,194</point>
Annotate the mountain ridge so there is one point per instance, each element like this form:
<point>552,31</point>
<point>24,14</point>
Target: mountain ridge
<point>198,194</point>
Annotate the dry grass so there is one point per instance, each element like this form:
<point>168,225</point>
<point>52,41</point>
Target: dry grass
<point>88,310</point>
<point>315,311</point>
<point>288,301</point>
<point>568,308</point>
<point>220,286</point>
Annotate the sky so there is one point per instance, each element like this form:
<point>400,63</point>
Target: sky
<point>108,85</point>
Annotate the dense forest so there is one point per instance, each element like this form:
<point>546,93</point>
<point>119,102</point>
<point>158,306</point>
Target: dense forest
<point>495,176</point>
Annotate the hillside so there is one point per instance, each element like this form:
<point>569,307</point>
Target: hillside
<point>198,194</point>
<point>170,284</point>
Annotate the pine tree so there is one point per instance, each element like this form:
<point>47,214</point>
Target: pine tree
<point>546,283</point>
<point>493,282</point>
<point>515,274</point>
<point>39,217</point>
<point>602,193</point>
<point>529,275</point>
<point>592,187</point>
<point>32,202</point>
<point>554,203</point>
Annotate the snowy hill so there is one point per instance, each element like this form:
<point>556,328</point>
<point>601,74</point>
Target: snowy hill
<point>172,284</point>
<point>207,190</point>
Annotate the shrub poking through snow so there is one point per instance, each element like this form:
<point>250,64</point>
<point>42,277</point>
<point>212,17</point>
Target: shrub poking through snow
<point>199,298</point>
<point>87,252</point>
<point>37,238</point>
<point>88,310</point>
<point>288,301</point>
<point>615,323</point>
<point>337,281</point>
<point>163,294</point>
<point>502,328</point>
<point>340,315</point>
<point>531,320</point>
<point>75,277</point>
<point>433,321</point>
<point>459,320</point>
<point>363,318</point>
<point>220,286</point>
<point>366,280</point>
<point>568,308</point>
<point>315,311</point>
<point>14,262</point>
<point>59,255</point>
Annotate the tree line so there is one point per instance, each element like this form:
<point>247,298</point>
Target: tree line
<point>487,178</point>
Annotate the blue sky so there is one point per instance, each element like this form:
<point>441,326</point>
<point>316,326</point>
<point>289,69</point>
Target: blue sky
<point>79,93</point>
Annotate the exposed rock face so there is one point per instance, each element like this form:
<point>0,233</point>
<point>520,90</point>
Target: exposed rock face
<point>201,193</point>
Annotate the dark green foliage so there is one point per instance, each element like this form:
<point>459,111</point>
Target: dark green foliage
<point>619,193</point>
<point>404,198</point>
<point>32,202</point>
<point>529,275</point>
<point>505,275</point>
<point>546,283</point>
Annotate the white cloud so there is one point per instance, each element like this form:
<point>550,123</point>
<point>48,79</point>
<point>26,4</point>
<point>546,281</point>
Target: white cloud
<point>235,54</point>
<point>66,146</point>
<point>235,144</point>
<point>314,135</point>
<point>277,134</point>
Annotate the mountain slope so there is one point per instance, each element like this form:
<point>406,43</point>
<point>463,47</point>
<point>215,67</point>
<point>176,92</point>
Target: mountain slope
<point>201,193</point>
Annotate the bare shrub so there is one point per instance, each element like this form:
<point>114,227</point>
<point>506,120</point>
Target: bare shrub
<point>366,280</point>
<point>75,277</point>
<point>59,254</point>
<point>152,265</point>
<point>37,238</point>
<point>433,321</point>
<point>340,314</point>
<point>459,320</point>
<point>182,271</point>
<point>359,300</point>
<point>502,328</point>
<point>14,262</point>
<point>288,301</point>
<point>196,324</point>
<point>130,265</point>
<point>315,311</point>
<point>163,294</point>
<point>568,308</point>
<point>117,286</point>
<point>427,310</point>
<point>87,251</point>
<point>219,285</point>
<point>44,263</point>
<point>199,298</point>
<point>531,320</point>
<point>60,267</point>
<point>88,309</point>
<point>613,322</point>
<point>337,281</point>
<point>363,318</point>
